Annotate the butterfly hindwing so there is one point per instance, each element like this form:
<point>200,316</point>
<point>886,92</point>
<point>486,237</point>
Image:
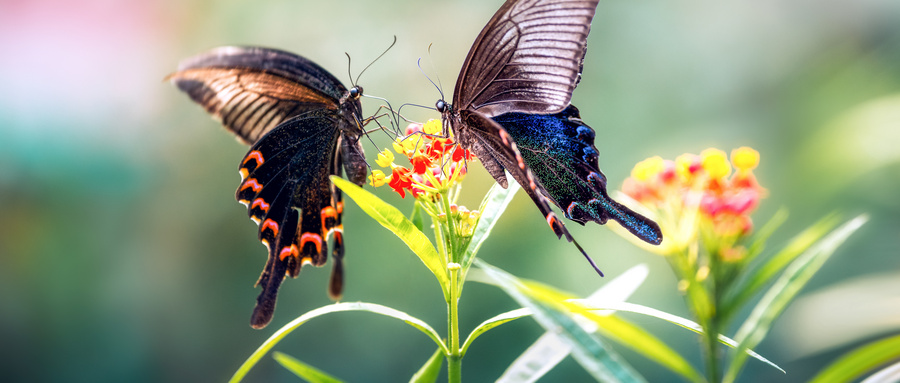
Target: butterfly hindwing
<point>559,149</point>
<point>292,198</point>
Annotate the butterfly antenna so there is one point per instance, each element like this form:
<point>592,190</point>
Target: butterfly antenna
<point>419,64</point>
<point>436,76</point>
<point>376,59</point>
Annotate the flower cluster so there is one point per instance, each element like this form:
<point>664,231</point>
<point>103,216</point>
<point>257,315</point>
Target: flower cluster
<point>707,186</point>
<point>436,163</point>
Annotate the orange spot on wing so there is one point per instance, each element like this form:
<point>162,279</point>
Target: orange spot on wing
<point>505,137</point>
<point>328,212</point>
<point>253,184</point>
<point>270,224</point>
<point>261,204</point>
<point>340,207</point>
<point>316,239</point>
<point>288,251</point>
<point>552,221</point>
<point>254,155</point>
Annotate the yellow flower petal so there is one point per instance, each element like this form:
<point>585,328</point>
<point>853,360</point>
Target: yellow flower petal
<point>745,158</point>
<point>385,158</point>
<point>715,162</point>
<point>648,168</point>
<point>432,127</point>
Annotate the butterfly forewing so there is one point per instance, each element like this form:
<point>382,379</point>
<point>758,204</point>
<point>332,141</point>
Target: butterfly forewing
<point>527,59</point>
<point>251,90</point>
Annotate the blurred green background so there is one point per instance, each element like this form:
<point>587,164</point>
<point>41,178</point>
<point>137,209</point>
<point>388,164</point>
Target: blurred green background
<point>124,257</point>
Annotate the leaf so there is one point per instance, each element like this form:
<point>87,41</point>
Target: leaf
<point>621,331</point>
<point>391,218</point>
<point>494,322</point>
<point>549,350</point>
<point>861,360</point>
<point>430,370</point>
<point>773,303</point>
<point>597,358</point>
<point>416,217</point>
<point>748,286</point>
<point>337,307</point>
<point>492,207</point>
<point>303,370</point>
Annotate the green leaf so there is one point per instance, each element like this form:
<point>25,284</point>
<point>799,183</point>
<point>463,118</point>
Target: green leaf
<point>430,370</point>
<point>773,303</point>
<point>860,361</point>
<point>740,293</point>
<point>303,370</point>
<point>492,207</point>
<point>337,307</point>
<point>491,323</point>
<point>597,358</point>
<point>762,235</point>
<point>549,349</point>
<point>416,217</point>
<point>621,331</point>
<point>674,319</point>
<point>391,218</point>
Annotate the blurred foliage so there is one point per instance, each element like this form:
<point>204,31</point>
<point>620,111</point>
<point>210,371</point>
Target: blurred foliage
<point>123,256</point>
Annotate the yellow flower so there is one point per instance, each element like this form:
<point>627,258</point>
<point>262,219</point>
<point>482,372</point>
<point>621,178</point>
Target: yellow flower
<point>744,159</point>
<point>432,127</point>
<point>385,158</point>
<point>648,168</point>
<point>377,178</point>
<point>715,162</point>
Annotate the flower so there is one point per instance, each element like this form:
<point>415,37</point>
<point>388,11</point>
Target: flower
<point>699,194</point>
<point>436,163</point>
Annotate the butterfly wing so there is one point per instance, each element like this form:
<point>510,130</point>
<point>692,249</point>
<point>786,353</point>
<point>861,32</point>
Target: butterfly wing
<point>559,149</point>
<point>527,58</point>
<point>302,128</point>
<point>287,192</point>
<point>251,90</point>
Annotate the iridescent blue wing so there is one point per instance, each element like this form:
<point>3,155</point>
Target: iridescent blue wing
<point>559,149</point>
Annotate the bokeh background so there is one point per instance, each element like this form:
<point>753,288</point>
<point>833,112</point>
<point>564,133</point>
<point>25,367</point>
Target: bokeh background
<point>124,257</point>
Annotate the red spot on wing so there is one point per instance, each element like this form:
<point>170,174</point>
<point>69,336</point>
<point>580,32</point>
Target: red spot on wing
<point>252,184</point>
<point>254,155</point>
<point>270,224</point>
<point>288,251</point>
<point>261,204</point>
<point>552,221</point>
<point>316,239</point>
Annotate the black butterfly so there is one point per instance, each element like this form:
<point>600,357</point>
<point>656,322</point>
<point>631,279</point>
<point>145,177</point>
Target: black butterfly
<point>511,108</point>
<point>304,126</point>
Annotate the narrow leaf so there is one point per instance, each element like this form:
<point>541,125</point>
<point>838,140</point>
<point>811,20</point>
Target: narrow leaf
<point>416,217</point>
<point>430,370</point>
<point>860,361</point>
<point>494,322</point>
<point>391,218</point>
<point>337,307</point>
<point>776,299</point>
<point>597,358</point>
<point>303,370</point>
<point>549,350</point>
<point>621,331</point>
<point>748,286</point>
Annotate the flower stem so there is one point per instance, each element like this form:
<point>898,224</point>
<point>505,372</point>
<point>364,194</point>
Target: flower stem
<point>454,360</point>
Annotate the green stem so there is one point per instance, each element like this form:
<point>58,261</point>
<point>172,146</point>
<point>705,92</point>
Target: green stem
<point>451,228</point>
<point>454,360</point>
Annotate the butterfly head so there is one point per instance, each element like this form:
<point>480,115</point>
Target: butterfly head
<point>356,92</point>
<point>442,106</point>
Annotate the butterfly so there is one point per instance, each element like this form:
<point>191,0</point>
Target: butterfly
<point>302,126</point>
<point>511,107</point>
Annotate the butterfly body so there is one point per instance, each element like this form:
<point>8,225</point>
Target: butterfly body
<point>303,126</point>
